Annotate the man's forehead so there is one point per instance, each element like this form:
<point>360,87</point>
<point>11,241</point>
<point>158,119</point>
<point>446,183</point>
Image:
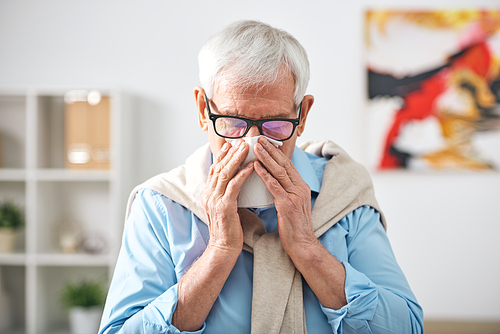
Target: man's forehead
<point>283,82</point>
<point>278,92</point>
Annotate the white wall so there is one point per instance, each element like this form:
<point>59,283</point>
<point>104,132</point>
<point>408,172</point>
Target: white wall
<point>444,227</point>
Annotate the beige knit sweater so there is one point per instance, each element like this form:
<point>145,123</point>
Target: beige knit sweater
<point>277,305</point>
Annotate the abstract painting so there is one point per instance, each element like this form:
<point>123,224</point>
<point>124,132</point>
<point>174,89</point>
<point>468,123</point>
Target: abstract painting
<point>433,100</point>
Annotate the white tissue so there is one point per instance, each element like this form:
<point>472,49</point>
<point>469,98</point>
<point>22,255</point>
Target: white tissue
<point>254,193</point>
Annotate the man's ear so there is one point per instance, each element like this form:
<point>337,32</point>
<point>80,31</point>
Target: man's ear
<point>307,103</point>
<point>201,104</point>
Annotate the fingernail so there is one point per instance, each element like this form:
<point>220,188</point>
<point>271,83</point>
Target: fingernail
<point>225,147</point>
<point>265,142</point>
<point>259,147</point>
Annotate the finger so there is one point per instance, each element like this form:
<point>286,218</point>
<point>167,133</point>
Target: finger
<point>276,163</point>
<point>216,186</point>
<point>216,163</point>
<point>229,166</point>
<point>220,161</point>
<point>235,184</point>
<point>283,161</point>
<point>223,152</point>
<point>225,156</point>
<point>279,156</point>
<point>274,186</point>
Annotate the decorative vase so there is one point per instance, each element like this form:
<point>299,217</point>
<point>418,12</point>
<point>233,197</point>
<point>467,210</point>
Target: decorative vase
<point>85,320</point>
<point>69,237</point>
<point>7,240</point>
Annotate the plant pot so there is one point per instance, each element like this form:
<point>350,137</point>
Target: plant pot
<point>85,320</point>
<point>7,240</point>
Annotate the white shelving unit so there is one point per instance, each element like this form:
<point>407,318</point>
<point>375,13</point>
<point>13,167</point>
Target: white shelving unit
<point>33,174</point>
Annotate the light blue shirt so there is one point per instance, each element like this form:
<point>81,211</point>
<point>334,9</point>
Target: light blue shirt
<point>162,239</point>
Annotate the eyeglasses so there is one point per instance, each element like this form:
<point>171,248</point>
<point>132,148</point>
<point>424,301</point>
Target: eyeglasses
<point>236,127</point>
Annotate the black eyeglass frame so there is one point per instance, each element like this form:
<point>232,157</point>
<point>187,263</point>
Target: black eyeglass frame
<point>250,123</point>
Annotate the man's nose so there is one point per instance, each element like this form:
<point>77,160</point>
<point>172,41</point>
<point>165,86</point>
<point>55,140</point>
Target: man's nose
<point>253,131</point>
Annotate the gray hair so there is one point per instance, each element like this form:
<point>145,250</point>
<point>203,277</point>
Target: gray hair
<point>249,53</point>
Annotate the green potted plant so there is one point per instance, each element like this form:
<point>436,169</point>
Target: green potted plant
<point>85,301</point>
<point>11,221</point>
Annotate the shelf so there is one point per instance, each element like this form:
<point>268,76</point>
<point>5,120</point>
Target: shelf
<point>72,175</point>
<point>55,259</point>
<point>65,197</point>
<point>12,174</point>
<point>56,174</point>
<point>72,260</point>
<point>12,259</point>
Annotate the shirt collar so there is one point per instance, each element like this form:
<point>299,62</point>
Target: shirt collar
<point>304,166</point>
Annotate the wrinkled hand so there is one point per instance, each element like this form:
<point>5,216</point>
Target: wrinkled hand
<point>292,197</point>
<point>220,197</point>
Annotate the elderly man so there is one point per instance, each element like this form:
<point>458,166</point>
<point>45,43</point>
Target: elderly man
<point>314,260</point>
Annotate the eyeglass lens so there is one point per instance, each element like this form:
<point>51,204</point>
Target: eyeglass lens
<point>230,127</point>
<point>277,129</point>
